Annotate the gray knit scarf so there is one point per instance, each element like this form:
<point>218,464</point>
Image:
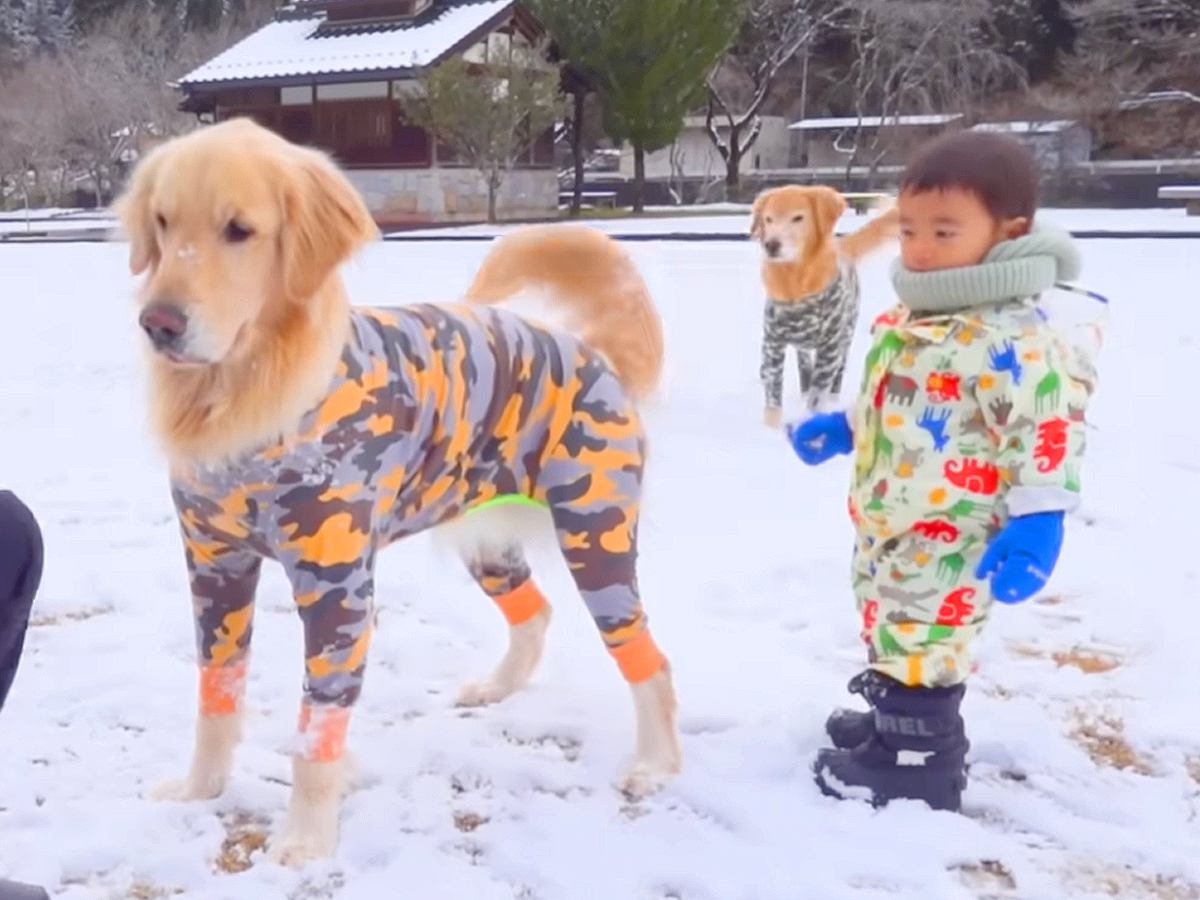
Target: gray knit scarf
<point>1012,270</point>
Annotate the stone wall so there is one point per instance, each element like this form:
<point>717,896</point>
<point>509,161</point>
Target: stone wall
<point>399,196</point>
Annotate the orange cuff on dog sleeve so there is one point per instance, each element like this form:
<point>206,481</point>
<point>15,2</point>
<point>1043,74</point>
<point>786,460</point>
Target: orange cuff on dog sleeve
<point>323,732</point>
<point>222,688</point>
<point>638,658</point>
<point>521,604</point>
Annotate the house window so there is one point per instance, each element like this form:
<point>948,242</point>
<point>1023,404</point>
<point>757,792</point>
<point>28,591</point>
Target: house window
<point>299,95</point>
<point>353,90</point>
<point>411,146</point>
<point>356,131</point>
<point>368,132</point>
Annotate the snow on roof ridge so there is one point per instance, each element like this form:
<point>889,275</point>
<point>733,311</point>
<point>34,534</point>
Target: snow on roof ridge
<point>286,47</point>
<point>823,122</point>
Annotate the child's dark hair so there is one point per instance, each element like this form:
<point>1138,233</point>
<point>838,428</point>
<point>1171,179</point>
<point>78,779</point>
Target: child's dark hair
<point>998,169</point>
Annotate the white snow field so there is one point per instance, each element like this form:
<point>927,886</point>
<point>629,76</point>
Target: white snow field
<point>1084,715</point>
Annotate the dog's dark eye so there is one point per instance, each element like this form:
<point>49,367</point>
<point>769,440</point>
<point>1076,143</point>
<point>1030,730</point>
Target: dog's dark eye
<point>235,233</point>
<point>162,221</point>
<point>798,218</point>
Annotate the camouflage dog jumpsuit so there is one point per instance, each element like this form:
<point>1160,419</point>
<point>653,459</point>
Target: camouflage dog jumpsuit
<point>433,410</point>
<point>819,328</point>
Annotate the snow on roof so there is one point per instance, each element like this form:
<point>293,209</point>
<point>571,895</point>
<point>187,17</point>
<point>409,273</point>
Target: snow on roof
<point>1051,126</point>
<point>291,47</point>
<point>828,124</point>
<point>1153,97</point>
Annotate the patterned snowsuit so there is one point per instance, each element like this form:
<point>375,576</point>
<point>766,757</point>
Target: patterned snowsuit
<point>962,420</point>
<point>433,411</point>
<point>819,329</point>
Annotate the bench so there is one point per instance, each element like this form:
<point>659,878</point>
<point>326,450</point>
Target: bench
<point>590,198</point>
<point>1190,193</point>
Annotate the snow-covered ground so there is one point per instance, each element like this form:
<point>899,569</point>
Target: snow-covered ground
<point>1084,716</point>
<point>717,218</point>
<point>728,218</point>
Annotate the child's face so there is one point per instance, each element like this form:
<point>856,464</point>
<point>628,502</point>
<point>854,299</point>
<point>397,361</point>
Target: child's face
<point>950,227</point>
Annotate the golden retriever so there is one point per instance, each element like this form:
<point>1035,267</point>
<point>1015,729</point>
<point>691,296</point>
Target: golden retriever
<point>303,430</point>
<point>804,262</point>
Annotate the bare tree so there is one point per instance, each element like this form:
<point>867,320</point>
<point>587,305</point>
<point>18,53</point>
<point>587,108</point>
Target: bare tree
<point>33,123</point>
<point>489,114</point>
<point>772,34</point>
<point>1140,46</point>
<point>921,56</point>
<point>167,50</point>
<point>70,116</point>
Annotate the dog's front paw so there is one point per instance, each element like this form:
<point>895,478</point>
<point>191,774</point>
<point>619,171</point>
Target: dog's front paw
<point>302,842</point>
<point>310,830</point>
<point>187,790</point>
<point>482,693</point>
<point>772,416</point>
<point>644,778</point>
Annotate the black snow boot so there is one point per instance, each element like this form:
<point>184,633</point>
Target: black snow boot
<point>849,727</point>
<point>917,752</point>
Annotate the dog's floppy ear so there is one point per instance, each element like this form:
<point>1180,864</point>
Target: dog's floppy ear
<point>325,221</point>
<point>137,219</point>
<point>756,216</point>
<point>828,206</point>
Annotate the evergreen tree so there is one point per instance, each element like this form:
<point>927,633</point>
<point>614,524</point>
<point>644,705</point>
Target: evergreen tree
<point>90,13</point>
<point>648,59</point>
<point>1034,33</point>
<point>47,26</point>
<point>11,30</point>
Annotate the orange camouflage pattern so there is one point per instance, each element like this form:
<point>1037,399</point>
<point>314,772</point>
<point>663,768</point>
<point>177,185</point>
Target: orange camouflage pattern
<point>433,410</point>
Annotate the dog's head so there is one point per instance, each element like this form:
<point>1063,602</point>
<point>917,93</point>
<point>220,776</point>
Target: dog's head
<point>792,222</point>
<point>234,226</point>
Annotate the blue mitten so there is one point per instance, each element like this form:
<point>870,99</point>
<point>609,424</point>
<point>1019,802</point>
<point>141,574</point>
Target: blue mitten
<point>1022,556</point>
<point>821,437</point>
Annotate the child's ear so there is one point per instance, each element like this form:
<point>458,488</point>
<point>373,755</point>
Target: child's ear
<point>1014,228</point>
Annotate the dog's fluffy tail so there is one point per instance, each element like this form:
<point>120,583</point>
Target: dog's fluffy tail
<point>877,232</point>
<point>582,281</point>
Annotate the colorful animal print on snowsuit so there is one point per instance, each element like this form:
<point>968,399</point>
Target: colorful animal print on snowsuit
<point>962,421</point>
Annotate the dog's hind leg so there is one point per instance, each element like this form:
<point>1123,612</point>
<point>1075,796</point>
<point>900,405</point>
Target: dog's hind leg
<point>504,576</point>
<point>593,484</point>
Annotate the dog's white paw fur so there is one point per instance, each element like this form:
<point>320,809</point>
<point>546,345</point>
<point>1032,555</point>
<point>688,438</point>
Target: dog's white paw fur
<point>658,755</point>
<point>640,780</point>
<point>310,830</point>
<point>212,761</point>
<point>299,843</point>
<point>525,643</point>
<point>189,789</point>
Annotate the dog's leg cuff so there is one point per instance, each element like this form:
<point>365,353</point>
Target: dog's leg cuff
<point>323,732</point>
<point>222,688</point>
<point>639,658</point>
<point>522,603</point>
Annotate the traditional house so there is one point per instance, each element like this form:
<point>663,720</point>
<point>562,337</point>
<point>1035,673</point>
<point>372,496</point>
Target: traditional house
<point>1056,143</point>
<point>335,74</point>
<point>693,154</point>
<point>829,142</point>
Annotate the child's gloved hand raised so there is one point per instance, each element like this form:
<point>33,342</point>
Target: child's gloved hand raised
<point>821,437</point>
<point>1022,556</point>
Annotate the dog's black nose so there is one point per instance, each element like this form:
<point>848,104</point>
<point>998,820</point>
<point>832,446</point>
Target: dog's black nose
<point>772,247</point>
<point>164,324</point>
